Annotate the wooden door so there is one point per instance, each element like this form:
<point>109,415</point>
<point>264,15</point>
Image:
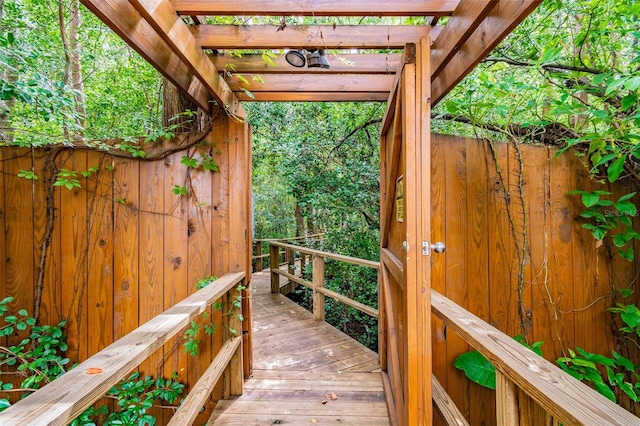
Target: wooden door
<point>405,309</point>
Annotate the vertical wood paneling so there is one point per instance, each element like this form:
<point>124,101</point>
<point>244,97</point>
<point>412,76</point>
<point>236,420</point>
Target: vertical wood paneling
<point>560,260</point>
<point>220,223</point>
<point>477,255</point>
<point>73,252</point>
<point>151,252</point>
<point>19,235</point>
<point>175,257</point>
<point>3,230</point>
<point>126,241</point>
<point>199,261</point>
<point>456,264</point>
<point>100,254</point>
<point>438,232</point>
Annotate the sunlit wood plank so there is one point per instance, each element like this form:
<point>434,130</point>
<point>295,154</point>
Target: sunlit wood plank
<point>340,64</point>
<point>314,96</point>
<point>316,7</point>
<point>461,25</point>
<point>124,20</point>
<point>163,18</point>
<point>498,24</point>
<point>310,37</point>
<point>311,83</point>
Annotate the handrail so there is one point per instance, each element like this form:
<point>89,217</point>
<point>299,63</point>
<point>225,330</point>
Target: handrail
<point>568,400</point>
<point>259,256</point>
<point>317,283</point>
<point>328,255</point>
<point>62,400</point>
<point>303,237</point>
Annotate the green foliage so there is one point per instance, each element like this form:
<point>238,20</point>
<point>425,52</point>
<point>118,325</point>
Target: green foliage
<point>39,359</point>
<point>479,370</point>
<point>179,190</point>
<point>611,218</point>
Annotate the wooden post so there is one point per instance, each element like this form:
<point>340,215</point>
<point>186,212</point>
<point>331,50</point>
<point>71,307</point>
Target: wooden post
<point>259,256</point>
<point>290,261</point>
<point>318,281</point>
<point>275,265</point>
<point>506,401</point>
<point>236,369</point>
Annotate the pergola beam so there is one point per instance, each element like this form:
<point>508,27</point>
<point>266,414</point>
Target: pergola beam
<point>463,22</point>
<point>340,64</point>
<point>125,21</point>
<point>316,7</point>
<point>311,37</point>
<point>162,16</point>
<point>313,96</point>
<point>312,83</point>
<point>496,26</point>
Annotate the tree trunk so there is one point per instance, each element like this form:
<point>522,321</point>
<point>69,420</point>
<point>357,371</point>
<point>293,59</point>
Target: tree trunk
<point>6,133</point>
<point>72,67</point>
<point>175,112</point>
<point>300,228</point>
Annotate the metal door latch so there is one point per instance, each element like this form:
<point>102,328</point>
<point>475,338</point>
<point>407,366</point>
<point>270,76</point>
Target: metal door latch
<point>438,247</point>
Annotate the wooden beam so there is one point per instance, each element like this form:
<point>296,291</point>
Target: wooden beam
<point>465,19</point>
<point>124,20</point>
<point>312,83</point>
<point>62,400</point>
<point>495,27</point>
<point>316,7</point>
<point>163,18</point>
<point>313,96</point>
<point>375,63</point>
<point>311,36</point>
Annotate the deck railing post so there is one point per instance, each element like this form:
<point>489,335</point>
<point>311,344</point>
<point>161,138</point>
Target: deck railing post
<point>234,309</point>
<point>318,281</point>
<point>275,265</point>
<point>259,256</point>
<point>506,401</point>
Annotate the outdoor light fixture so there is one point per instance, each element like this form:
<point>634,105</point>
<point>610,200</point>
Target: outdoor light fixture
<point>314,59</point>
<point>295,58</point>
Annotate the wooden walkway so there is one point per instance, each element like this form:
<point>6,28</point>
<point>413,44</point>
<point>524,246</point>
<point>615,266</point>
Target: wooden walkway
<point>305,372</point>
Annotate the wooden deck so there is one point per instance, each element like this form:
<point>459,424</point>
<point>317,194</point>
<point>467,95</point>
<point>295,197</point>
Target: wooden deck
<point>305,372</point>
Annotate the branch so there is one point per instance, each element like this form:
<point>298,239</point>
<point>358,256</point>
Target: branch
<point>548,134</point>
<point>354,131</point>
<point>548,67</point>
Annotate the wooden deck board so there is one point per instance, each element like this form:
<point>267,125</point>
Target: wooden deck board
<point>298,365</point>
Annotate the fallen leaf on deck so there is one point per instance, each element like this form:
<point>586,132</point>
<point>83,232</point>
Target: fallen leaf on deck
<point>94,370</point>
<point>331,396</point>
<point>324,402</point>
<point>313,421</point>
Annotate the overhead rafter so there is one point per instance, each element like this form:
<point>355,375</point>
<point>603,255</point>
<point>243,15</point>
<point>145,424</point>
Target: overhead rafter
<point>316,7</point>
<point>467,31</point>
<point>155,31</point>
<point>125,21</point>
<point>315,36</point>
<point>303,83</point>
<point>375,63</point>
<point>496,26</point>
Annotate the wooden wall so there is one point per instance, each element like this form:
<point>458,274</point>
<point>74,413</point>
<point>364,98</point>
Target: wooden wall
<point>124,247</point>
<point>517,255</point>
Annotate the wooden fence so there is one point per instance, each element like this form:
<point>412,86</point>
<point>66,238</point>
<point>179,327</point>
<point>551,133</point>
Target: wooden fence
<point>517,256</point>
<point>124,244</point>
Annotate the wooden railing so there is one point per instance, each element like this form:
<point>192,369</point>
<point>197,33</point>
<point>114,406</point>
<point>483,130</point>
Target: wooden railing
<point>261,254</point>
<point>525,380</point>
<point>528,386</point>
<point>62,400</point>
<point>317,282</point>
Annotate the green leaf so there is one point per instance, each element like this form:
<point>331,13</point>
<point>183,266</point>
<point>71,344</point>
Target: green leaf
<point>477,368</point>
<point>589,199</point>
<point>615,169</point>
